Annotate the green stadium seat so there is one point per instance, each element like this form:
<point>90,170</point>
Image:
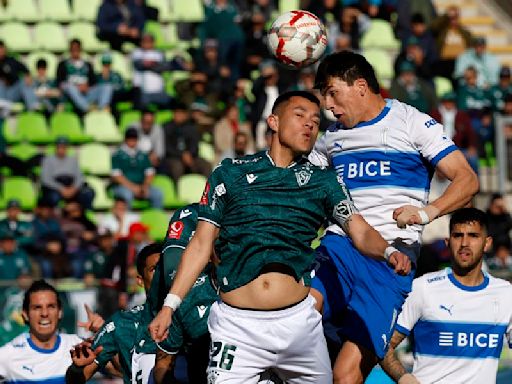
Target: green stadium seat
<point>9,132</point>
<point>22,10</point>
<point>191,11</point>
<point>163,116</point>
<point>55,10</point>
<point>49,36</point>
<point>166,185</point>
<point>31,126</point>
<point>442,85</point>
<point>3,14</point>
<point>288,5</point>
<point>16,36</point>
<point>206,151</point>
<point>86,33</point>
<point>101,200</point>
<point>382,62</point>
<point>68,124</point>
<point>101,126</point>
<point>158,32</point>
<point>85,10</point>
<point>51,60</point>
<point>190,188</point>
<point>23,151</point>
<point>21,188</point>
<point>380,35</point>
<point>157,221</point>
<point>127,118</point>
<point>119,63</point>
<point>164,10</point>
<point>95,159</point>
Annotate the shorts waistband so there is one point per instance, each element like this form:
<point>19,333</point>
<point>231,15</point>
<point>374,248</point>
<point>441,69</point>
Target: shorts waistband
<point>268,314</point>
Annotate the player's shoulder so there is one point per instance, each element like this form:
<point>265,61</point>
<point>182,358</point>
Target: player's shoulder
<point>431,279</point>
<point>243,162</point>
<point>499,283</point>
<point>186,212</point>
<point>70,339</point>
<point>411,116</point>
<point>17,344</point>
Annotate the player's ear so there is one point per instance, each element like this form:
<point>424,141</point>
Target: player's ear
<point>488,244</point>
<point>362,86</point>
<point>24,315</point>
<point>273,122</point>
<point>140,281</point>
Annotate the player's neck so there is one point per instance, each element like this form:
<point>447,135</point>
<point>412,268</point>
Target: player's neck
<point>44,344</point>
<point>282,156</point>
<point>375,105</point>
<point>469,278</point>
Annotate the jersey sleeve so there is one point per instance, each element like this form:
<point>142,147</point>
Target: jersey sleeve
<point>411,310</point>
<point>339,205</point>
<point>429,137</point>
<point>215,195</point>
<point>174,341</point>
<point>181,228</point>
<point>319,155</point>
<point>106,338</point>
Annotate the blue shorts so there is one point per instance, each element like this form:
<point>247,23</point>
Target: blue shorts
<point>362,296</point>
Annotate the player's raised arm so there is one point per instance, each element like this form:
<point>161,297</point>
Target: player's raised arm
<point>194,260</point>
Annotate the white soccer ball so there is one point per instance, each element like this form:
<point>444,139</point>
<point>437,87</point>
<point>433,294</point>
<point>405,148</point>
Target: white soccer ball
<point>297,38</point>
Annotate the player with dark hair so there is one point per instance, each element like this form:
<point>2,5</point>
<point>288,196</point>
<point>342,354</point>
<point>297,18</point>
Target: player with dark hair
<point>260,213</point>
<point>458,316</point>
<point>385,152</point>
<point>42,354</point>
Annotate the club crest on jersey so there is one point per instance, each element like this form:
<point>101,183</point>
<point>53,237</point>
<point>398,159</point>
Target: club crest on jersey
<point>175,230</point>
<point>343,210</point>
<point>219,191</point>
<point>303,177</point>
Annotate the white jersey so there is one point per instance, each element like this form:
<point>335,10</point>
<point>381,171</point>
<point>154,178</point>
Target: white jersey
<point>386,163</point>
<point>23,362</point>
<point>458,331</point>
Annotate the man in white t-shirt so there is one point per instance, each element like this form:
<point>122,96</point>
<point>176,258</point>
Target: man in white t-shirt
<point>120,218</point>
<point>458,316</point>
<point>42,354</point>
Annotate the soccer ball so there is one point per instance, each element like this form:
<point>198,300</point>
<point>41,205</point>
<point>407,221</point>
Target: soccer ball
<point>297,38</point>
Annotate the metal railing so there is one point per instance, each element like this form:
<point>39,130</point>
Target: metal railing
<point>502,155</point>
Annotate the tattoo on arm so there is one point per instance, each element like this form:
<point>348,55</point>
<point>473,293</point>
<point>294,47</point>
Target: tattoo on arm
<point>391,365</point>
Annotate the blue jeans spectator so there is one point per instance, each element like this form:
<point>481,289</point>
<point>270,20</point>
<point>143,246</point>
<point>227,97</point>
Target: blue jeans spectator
<point>100,94</point>
<point>84,196</point>
<point>19,91</point>
<point>155,196</point>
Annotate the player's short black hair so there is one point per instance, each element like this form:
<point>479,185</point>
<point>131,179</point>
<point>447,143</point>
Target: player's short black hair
<point>469,215</point>
<point>348,66</point>
<point>38,286</point>
<point>286,96</point>
<point>145,252</point>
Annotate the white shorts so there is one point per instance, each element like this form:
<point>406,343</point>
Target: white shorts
<point>246,343</point>
<point>142,366</point>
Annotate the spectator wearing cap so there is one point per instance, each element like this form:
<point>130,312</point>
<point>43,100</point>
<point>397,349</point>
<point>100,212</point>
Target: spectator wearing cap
<point>486,64</point>
<point>182,145</point>
<point>457,126</point>
<point>414,53</point>
<point>120,90</point>
<point>62,179</point>
<point>410,89</point>
<point>119,21</point>
<point>76,79</point>
<point>132,172</point>
<point>14,262</point>
<point>499,91</point>
<point>46,89</point>
<point>22,230</point>
<point>119,219</point>
<point>470,96</point>
<point>151,137</point>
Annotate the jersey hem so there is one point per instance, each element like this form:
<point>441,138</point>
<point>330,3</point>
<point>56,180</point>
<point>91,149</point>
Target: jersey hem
<point>166,351</point>
<point>402,330</point>
<point>209,221</point>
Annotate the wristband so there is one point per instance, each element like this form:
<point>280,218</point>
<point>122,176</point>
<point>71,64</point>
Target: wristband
<point>388,251</point>
<point>423,216</point>
<point>173,301</point>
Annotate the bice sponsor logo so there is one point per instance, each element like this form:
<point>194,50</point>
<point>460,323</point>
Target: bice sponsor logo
<point>175,230</point>
<point>469,339</point>
<point>204,197</point>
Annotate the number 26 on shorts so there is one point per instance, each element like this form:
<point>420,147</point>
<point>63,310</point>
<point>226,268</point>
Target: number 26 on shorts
<point>226,357</point>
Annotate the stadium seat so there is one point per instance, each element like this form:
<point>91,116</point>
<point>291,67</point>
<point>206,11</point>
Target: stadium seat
<point>190,188</point>
<point>21,188</point>
<point>22,10</point>
<point>206,151</point>
<point>49,36</point>
<point>23,151</point>
<point>164,10</point>
<point>166,185</point>
<point>119,63</point>
<point>442,85</point>
<point>382,63</point>
<point>51,60</point>
<point>380,35</point>
<point>191,11</point>
<point>158,32</point>
<point>55,10</point>
<point>85,10</point>
<point>101,199</point>
<point>288,5</point>
<point>31,126</point>
<point>68,124</point>
<point>95,159</point>
<point>157,221</point>
<point>16,36</point>
<point>163,116</point>
<point>86,33</point>
<point>127,118</point>
<point>3,14</point>
<point>102,127</point>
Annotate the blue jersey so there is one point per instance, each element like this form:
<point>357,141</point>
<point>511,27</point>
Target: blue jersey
<point>458,330</point>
